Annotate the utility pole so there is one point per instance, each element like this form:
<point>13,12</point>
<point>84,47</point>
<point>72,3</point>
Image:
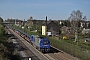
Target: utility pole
<point>24,25</point>
<point>15,21</point>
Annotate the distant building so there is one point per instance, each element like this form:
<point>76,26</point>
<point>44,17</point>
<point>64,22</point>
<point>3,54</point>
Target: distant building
<point>85,31</point>
<point>53,27</point>
<point>18,22</point>
<point>84,24</point>
<point>31,23</point>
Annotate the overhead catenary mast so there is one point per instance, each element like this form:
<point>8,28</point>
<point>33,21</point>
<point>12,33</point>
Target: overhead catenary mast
<point>15,21</point>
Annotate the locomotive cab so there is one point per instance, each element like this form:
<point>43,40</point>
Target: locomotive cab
<point>45,45</point>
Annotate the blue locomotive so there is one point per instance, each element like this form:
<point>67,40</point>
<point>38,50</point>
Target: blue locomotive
<point>40,43</point>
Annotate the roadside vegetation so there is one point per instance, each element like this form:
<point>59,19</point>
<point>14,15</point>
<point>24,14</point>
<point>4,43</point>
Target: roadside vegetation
<point>7,50</point>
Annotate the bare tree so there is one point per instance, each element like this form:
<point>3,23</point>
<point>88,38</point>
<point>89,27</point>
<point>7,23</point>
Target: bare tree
<point>31,18</point>
<point>84,18</point>
<point>74,18</point>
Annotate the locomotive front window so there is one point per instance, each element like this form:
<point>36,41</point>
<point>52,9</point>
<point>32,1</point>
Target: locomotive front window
<point>45,42</point>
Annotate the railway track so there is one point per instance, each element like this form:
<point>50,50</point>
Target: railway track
<point>24,48</point>
<point>27,52</point>
<point>56,54</point>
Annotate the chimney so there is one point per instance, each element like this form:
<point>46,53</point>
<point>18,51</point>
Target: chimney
<point>46,20</point>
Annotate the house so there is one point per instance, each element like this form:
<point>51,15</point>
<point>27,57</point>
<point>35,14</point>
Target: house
<point>85,31</point>
<point>35,24</point>
<point>31,23</point>
<point>53,27</point>
<point>20,23</point>
<point>84,24</point>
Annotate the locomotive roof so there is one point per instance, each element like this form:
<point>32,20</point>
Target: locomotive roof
<point>22,32</point>
<point>26,34</point>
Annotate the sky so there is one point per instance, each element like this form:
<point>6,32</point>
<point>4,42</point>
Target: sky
<point>39,9</point>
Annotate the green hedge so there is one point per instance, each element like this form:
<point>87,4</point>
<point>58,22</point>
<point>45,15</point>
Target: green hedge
<point>72,49</point>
